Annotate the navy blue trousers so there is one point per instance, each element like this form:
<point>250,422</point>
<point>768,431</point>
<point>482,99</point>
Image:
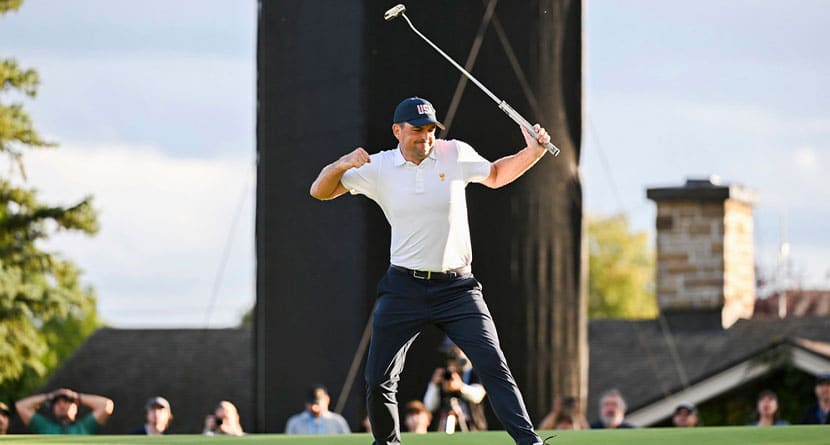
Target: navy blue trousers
<point>404,307</point>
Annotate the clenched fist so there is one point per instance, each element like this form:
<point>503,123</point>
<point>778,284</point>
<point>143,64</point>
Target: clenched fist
<point>355,159</point>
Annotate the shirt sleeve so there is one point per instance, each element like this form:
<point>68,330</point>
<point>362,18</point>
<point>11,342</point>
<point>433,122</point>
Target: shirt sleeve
<point>90,424</point>
<point>363,180</point>
<point>474,167</point>
<point>432,397</point>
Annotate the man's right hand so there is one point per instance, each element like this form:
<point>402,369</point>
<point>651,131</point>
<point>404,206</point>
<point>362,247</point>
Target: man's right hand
<point>327,185</point>
<point>438,376</point>
<point>355,159</point>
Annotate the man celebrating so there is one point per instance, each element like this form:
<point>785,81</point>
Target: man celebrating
<point>64,403</point>
<point>420,185</point>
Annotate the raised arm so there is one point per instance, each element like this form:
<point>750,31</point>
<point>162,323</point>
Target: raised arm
<point>507,169</point>
<point>327,185</point>
<point>102,407</point>
<point>26,408</point>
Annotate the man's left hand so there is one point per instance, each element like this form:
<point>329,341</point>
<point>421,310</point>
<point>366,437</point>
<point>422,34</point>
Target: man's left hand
<point>531,139</point>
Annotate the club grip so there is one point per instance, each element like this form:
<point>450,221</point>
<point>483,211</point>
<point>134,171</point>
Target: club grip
<point>513,114</point>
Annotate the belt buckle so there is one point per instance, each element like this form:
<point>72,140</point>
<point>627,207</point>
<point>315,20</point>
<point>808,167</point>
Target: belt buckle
<point>419,275</point>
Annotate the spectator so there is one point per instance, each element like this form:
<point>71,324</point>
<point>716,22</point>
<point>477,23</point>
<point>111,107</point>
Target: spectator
<point>611,411</point>
<point>820,412</point>
<point>767,410</point>
<point>454,392</point>
<point>5,414</point>
<point>317,419</point>
<point>64,404</point>
<point>685,415</point>
<point>566,414</point>
<point>417,417</point>
<point>223,421</point>
<point>157,417</point>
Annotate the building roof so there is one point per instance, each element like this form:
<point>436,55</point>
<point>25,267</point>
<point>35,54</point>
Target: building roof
<point>799,303</point>
<point>637,357</point>
<point>192,368</point>
<point>707,189</point>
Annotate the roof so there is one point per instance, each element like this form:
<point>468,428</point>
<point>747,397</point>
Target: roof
<point>192,368</point>
<point>636,358</point>
<point>799,303</point>
<point>709,189</point>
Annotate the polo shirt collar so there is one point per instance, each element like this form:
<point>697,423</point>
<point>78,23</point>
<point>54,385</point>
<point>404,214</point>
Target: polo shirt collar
<point>399,159</point>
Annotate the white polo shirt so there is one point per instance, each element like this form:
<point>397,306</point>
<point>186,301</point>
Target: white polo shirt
<point>424,204</point>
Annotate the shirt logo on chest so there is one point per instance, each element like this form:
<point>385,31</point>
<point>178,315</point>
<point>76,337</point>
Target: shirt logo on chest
<point>442,176</point>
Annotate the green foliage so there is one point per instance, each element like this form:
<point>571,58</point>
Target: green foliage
<point>16,130</point>
<point>620,270</point>
<point>248,317</point>
<point>9,5</point>
<point>45,312</point>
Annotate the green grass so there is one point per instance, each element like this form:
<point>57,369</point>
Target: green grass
<point>795,435</point>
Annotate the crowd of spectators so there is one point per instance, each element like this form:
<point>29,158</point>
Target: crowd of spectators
<point>451,393</point>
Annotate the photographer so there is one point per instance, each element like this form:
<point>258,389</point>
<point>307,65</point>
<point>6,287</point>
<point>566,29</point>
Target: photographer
<point>64,405</point>
<point>224,420</point>
<point>566,414</point>
<point>456,394</point>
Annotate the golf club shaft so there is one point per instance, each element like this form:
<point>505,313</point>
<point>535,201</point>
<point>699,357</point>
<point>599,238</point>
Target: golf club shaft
<point>504,106</point>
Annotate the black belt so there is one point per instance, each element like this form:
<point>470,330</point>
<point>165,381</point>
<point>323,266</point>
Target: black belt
<point>429,275</point>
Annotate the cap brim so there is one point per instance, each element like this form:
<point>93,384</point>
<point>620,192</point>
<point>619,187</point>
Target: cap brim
<point>425,121</point>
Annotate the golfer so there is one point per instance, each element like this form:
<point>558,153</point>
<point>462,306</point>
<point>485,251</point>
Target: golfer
<point>419,185</point>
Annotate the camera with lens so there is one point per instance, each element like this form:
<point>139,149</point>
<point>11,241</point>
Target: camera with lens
<point>447,374</point>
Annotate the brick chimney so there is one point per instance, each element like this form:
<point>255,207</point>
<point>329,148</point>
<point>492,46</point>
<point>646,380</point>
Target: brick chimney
<point>705,253</point>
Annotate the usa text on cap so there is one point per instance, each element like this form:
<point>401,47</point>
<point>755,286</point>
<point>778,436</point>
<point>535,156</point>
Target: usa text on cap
<point>416,111</point>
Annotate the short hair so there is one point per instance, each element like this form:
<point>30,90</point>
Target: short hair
<point>771,394</point>
<point>415,407</point>
<point>616,393</point>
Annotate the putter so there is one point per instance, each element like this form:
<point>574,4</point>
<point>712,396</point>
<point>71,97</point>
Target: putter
<point>399,10</point>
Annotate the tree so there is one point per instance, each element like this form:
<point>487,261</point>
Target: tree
<point>620,270</point>
<point>45,311</point>
<point>9,5</point>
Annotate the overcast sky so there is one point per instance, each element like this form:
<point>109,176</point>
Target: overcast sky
<point>153,105</point>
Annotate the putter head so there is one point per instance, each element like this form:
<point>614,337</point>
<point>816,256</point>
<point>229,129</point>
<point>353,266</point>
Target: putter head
<point>394,12</point>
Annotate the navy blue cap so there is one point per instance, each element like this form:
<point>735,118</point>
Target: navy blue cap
<point>822,378</point>
<point>417,112</point>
